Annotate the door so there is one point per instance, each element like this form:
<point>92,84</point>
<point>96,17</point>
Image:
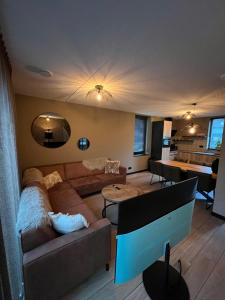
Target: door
<point>167,127</point>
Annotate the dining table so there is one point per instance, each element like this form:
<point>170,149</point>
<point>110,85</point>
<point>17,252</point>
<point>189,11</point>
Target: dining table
<point>196,168</point>
<point>186,166</point>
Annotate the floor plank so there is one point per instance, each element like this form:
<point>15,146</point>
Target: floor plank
<point>113,291</point>
<point>138,294</point>
<point>215,286</point>
<point>204,262</point>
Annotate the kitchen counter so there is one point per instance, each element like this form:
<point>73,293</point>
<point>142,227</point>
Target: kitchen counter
<point>207,153</point>
<point>216,154</point>
<point>197,157</point>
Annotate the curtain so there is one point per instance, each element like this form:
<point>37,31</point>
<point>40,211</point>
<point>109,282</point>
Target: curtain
<point>9,180</point>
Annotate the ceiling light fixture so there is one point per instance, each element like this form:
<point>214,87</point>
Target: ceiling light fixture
<point>189,115</point>
<point>100,92</point>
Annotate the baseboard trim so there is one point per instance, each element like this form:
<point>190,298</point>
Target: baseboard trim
<point>218,216</point>
<point>137,172</point>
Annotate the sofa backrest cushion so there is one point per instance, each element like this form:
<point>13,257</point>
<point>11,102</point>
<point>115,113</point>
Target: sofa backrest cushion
<point>77,169</point>
<point>33,209</point>
<point>51,168</point>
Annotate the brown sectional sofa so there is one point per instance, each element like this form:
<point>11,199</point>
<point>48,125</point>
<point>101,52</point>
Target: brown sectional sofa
<point>53,263</point>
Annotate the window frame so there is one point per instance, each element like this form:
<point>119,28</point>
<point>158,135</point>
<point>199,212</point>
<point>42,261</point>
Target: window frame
<point>210,130</point>
<point>145,119</point>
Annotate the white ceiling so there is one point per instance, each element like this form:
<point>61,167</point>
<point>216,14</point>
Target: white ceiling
<point>154,57</point>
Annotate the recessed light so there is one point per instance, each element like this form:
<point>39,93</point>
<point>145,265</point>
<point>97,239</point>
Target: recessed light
<point>41,72</point>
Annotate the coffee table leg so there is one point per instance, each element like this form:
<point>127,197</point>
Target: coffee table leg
<point>104,209</point>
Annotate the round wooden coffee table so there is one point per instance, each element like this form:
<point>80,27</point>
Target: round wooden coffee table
<point>116,193</point>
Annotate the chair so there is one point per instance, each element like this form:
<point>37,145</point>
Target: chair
<point>206,184</point>
<point>172,174</point>
<point>156,169</point>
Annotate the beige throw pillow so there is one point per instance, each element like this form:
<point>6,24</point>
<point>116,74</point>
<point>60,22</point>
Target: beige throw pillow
<point>52,179</point>
<point>112,167</point>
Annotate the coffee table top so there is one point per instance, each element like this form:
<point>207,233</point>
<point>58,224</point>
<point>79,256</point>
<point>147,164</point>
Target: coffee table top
<point>120,192</point>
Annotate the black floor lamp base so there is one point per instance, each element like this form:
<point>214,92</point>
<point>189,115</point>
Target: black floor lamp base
<point>159,287</point>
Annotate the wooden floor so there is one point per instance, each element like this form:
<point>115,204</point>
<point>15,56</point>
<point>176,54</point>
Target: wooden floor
<point>202,254</point>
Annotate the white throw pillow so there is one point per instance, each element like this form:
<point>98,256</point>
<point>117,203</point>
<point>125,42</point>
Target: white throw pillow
<point>33,209</point>
<point>52,179</point>
<point>31,175</point>
<point>95,163</point>
<point>65,223</point>
<point>112,167</point>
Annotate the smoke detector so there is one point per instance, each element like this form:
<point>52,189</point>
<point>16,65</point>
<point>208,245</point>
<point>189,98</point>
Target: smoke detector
<point>39,71</point>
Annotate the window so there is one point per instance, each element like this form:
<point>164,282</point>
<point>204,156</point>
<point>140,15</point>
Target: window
<point>140,135</point>
<point>215,133</point>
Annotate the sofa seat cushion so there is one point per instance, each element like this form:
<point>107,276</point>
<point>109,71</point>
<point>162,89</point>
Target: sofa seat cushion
<point>84,210</point>
<point>62,199</point>
<point>86,185</point>
<point>60,186</point>
<point>107,179</point>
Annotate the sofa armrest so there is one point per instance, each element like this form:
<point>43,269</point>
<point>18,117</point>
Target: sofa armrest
<point>57,266</point>
<point>123,170</point>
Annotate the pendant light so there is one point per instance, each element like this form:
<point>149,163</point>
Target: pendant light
<point>189,115</point>
<point>192,127</point>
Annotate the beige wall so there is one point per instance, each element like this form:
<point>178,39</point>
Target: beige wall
<point>111,134</point>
